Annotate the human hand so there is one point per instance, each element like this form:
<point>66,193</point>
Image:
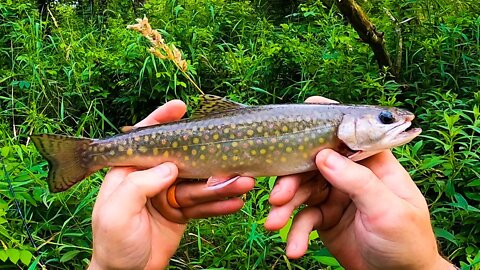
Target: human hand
<point>369,215</point>
<point>134,226</point>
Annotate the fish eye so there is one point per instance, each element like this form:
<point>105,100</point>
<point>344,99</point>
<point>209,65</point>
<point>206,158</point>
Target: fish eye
<point>386,117</point>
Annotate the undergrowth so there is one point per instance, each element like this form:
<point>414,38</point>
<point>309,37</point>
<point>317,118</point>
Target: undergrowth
<point>78,70</point>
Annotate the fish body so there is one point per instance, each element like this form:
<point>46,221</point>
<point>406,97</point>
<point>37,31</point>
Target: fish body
<point>228,139</point>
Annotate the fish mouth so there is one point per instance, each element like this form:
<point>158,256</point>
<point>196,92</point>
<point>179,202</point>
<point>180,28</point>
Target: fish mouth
<point>404,132</point>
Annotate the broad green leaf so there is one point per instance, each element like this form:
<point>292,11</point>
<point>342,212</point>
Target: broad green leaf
<point>474,183</point>
<point>442,233</point>
<point>284,231</point>
<point>327,260</point>
<point>5,150</point>
<point>3,255</point>
<point>25,257</point>
<point>69,255</point>
<point>13,255</point>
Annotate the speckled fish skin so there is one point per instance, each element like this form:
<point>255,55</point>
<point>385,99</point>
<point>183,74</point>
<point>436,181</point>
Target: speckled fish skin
<point>270,140</point>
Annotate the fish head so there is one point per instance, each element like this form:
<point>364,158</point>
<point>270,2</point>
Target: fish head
<point>370,130</point>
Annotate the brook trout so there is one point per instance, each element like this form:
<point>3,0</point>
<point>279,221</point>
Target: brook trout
<point>225,139</point>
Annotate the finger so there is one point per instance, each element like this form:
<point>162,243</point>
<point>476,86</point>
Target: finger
<point>170,111</point>
<point>111,181</point>
<point>160,204</point>
<point>360,183</point>
<point>317,99</point>
<point>333,209</point>
<point>131,195</point>
<point>286,187</point>
<point>194,193</point>
<point>303,224</point>
<point>212,209</point>
<point>387,168</point>
<point>279,215</point>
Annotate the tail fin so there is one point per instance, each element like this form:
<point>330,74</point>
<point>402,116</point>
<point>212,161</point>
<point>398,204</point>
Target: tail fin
<point>65,159</point>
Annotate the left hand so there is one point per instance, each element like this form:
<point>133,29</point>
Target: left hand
<point>133,225</point>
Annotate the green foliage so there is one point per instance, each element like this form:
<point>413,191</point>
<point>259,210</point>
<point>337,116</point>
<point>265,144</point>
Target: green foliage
<point>78,70</point>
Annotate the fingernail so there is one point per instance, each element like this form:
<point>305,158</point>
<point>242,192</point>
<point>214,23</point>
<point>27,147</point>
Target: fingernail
<point>163,170</point>
<point>292,247</point>
<point>335,161</point>
<point>276,190</point>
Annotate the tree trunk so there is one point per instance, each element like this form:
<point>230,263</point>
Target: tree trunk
<point>366,30</point>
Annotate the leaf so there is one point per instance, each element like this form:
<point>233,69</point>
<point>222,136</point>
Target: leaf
<point>3,255</point>
<point>284,231</point>
<point>5,150</point>
<point>442,233</point>
<point>13,255</point>
<point>474,183</point>
<point>327,260</point>
<point>25,256</point>
<point>69,255</point>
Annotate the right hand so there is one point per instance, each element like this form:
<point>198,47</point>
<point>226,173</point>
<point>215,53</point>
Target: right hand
<point>369,215</point>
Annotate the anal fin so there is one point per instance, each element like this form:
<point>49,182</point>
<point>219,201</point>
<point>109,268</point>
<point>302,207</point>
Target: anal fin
<point>215,182</point>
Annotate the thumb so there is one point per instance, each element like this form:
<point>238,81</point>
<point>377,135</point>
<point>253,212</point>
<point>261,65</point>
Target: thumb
<point>132,194</point>
<point>370,195</point>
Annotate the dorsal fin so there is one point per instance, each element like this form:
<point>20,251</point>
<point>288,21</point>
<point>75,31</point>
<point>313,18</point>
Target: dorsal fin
<point>210,104</point>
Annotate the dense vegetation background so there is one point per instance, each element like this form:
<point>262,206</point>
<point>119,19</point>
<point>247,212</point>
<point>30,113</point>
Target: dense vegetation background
<point>73,67</point>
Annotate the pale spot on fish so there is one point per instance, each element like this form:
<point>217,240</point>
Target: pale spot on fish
<point>185,148</point>
<point>284,128</point>
<point>215,136</point>
<point>224,157</point>
<point>186,158</point>
<point>234,144</point>
<point>301,147</point>
<point>321,140</point>
<point>112,153</point>
<point>146,138</point>
<point>175,144</point>
<point>136,138</point>
<point>196,140</point>
<point>235,158</point>
<point>226,131</point>
<point>203,147</point>
<point>253,152</point>
<point>232,136</point>
<point>250,132</point>
<point>194,152</point>
<point>166,154</point>
<point>129,151</point>
<point>155,151</point>
<point>269,161</point>
<point>202,157</point>
<point>283,159</point>
<point>263,151</point>
<point>143,149</point>
<point>121,148</point>
<point>288,149</point>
